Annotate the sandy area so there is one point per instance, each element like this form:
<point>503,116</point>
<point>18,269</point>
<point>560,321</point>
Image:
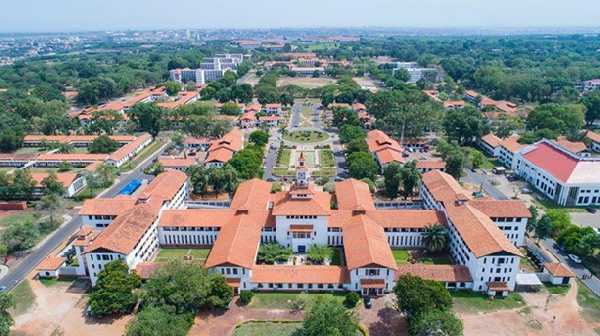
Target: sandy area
<point>546,315</point>
<point>59,310</point>
<point>305,82</point>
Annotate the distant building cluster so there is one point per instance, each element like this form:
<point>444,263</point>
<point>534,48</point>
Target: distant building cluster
<point>212,69</point>
<point>417,72</point>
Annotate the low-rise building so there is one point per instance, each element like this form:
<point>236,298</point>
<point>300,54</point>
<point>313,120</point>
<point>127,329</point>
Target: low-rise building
<point>557,273</point>
<point>71,181</point>
<point>222,150</point>
<point>594,139</point>
<point>384,149</point>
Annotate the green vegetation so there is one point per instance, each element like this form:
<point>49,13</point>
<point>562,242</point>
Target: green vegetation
<point>326,158</point>
<point>267,329</point>
<point>283,158</point>
<point>248,162</point>
<point>246,297</point>
<point>329,317</point>
<point>319,253</point>
<point>338,256</point>
<point>143,155</point>
<point>283,171</point>
<point>557,289</point>
<point>473,302</point>
<point>216,180</point>
<point>589,302</point>
<point>272,253</point>
<point>435,260</point>
<point>20,217</point>
<point>159,320</point>
<point>478,159</point>
<point>103,144</point>
<point>401,256</point>
<point>6,320</point>
<point>23,298</point>
<point>285,300</point>
<point>114,290</point>
<point>305,136</point>
<point>169,254</point>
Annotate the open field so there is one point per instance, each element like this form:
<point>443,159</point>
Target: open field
<point>167,254</point>
<point>589,303</point>
<point>305,82</point>
<point>473,302</point>
<point>267,329</point>
<point>284,300</point>
<point>23,296</point>
<point>19,217</point>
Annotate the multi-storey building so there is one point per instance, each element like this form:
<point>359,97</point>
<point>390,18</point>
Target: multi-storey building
<point>566,178</point>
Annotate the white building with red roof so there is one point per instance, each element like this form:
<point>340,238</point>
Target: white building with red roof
<point>566,178</point>
<point>384,149</point>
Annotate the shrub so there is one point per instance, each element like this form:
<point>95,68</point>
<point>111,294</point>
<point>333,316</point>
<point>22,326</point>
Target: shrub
<point>246,297</point>
<point>351,299</point>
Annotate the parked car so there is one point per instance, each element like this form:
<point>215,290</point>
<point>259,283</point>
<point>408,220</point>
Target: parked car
<point>526,191</point>
<point>368,302</point>
<point>575,258</point>
<point>511,177</point>
<point>591,210</point>
<point>3,289</point>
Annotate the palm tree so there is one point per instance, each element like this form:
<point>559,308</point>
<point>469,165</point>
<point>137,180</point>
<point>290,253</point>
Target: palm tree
<point>435,237</point>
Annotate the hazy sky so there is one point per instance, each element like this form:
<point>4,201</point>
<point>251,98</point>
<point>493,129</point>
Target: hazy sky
<point>69,15</point>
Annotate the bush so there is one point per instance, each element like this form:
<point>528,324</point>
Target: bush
<point>246,297</point>
<point>351,299</point>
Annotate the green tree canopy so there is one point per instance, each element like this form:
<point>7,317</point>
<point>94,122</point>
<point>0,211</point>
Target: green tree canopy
<point>113,293</point>
<point>103,144</point>
<point>416,296</point>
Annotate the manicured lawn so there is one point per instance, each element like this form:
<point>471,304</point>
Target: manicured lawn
<point>309,158</point>
<point>473,302</point>
<point>401,256</point>
<point>49,282</point>
<point>283,171</point>
<point>267,329</point>
<point>284,300</point>
<point>167,254</point>
<point>325,172</point>
<point>557,289</point>
<point>283,158</point>
<point>19,217</point>
<point>23,296</point>
<point>149,150</point>
<point>589,302</point>
<point>326,158</point>
<point>305,136</point>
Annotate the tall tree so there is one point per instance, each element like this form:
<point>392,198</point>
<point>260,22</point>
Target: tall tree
<point>391,179</point>
<point>435,238</point>
<point>592,107</point>
<point>147,117</point>
<point>416,296</point>
<point>113,293</point>
<point>410,178</point>
<point>464,125</point>
<point>6,321</point>
<point>329,318</point>
<point>436,322</point>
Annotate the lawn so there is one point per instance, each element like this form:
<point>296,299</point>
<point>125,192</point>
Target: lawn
<point>435,260</point>
<point>149,150</point>
<point>267,329</point>
<point>589,302</point>
<point>401,256</point>
<point>557,289</point>
<point>488,163</point>
<point>326,158</point>
<point>24,298</point>
<point>283,171</point>
<point>19,217</point>
<point>167,254</point>
<point>305,136</point>
<point>283,158</point>
<point>283,300</point>
<point>473,302</point>
<point>325,172</point>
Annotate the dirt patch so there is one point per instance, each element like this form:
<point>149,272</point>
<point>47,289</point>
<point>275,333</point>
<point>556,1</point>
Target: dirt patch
<point>59,309</point>
<point>305,82</point>
<point>544,315</point>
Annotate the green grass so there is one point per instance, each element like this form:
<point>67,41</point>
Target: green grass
<point>305,136</point>
<point>167,254</point>
<point>435,260</point>
<point>337,258</point>
<point>488,163</point>
<point>275,300</point>
<point>326,158</point>
<point>267,329</point>
<point>49,282</point>
<point>23,298</point>
<point>143,155</point>
<point>283,158</point>
<point>557,289</point>
<point>283,171</point>
<point>401,256</point>
<point>325,172</point>
<point>473,302</point>
<point>19,217</point>
<point>589,302</point>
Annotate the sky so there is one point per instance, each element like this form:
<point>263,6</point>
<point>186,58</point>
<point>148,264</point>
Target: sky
<point>86,15</point>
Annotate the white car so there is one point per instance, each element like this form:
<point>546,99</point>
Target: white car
<point>575,258</point>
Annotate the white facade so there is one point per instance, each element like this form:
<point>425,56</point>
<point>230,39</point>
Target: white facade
<point>300,242</point>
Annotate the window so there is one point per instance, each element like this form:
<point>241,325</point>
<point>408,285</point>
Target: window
<point>372,272</point>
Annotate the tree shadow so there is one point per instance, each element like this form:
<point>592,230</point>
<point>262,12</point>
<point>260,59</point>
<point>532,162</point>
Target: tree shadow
<point>390,323</point>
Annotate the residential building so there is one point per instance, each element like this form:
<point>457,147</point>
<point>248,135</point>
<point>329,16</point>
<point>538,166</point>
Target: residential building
<point>590,85</point>
<point>72,182</point>
<point>222,150</point>
<point>594,139</point>
<point>384,149</point>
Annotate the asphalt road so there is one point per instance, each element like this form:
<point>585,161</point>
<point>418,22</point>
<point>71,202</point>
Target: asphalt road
<point>483,180</point>
<point>17,273</point>
<point>271,157</point>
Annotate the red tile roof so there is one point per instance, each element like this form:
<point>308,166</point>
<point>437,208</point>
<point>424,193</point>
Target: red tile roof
<point>573,147</point>
<point>51,263</point>
<point>129,148</point>
<point>304,274</point>
<point>196,217</point>
<point>361,231</point>
<point>552,160</point>
<point>443,187</point>
<point>176,162</point>
<point>107,206</point>
<point>65,178</point>
<point>352,194</point>
<point>431,164</point>
<point>559,270</point>
<point>491,139</point>
<point>595,137</point>
<point>501,208</point>
<point>443,273</point>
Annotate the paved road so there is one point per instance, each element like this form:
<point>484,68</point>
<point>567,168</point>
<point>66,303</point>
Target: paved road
<point>483,180</point>
<point>19,272</point>
<point>271,157</point>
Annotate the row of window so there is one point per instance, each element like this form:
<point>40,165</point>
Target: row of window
<point>185,228</point>
<point>507,219</point>
<point>300,286</point>
<point>300,217</point>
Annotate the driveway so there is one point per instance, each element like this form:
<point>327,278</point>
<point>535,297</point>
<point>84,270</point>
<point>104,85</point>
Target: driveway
<point>382,319</point>
<point>485,181</point>
<point>584,218</point>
